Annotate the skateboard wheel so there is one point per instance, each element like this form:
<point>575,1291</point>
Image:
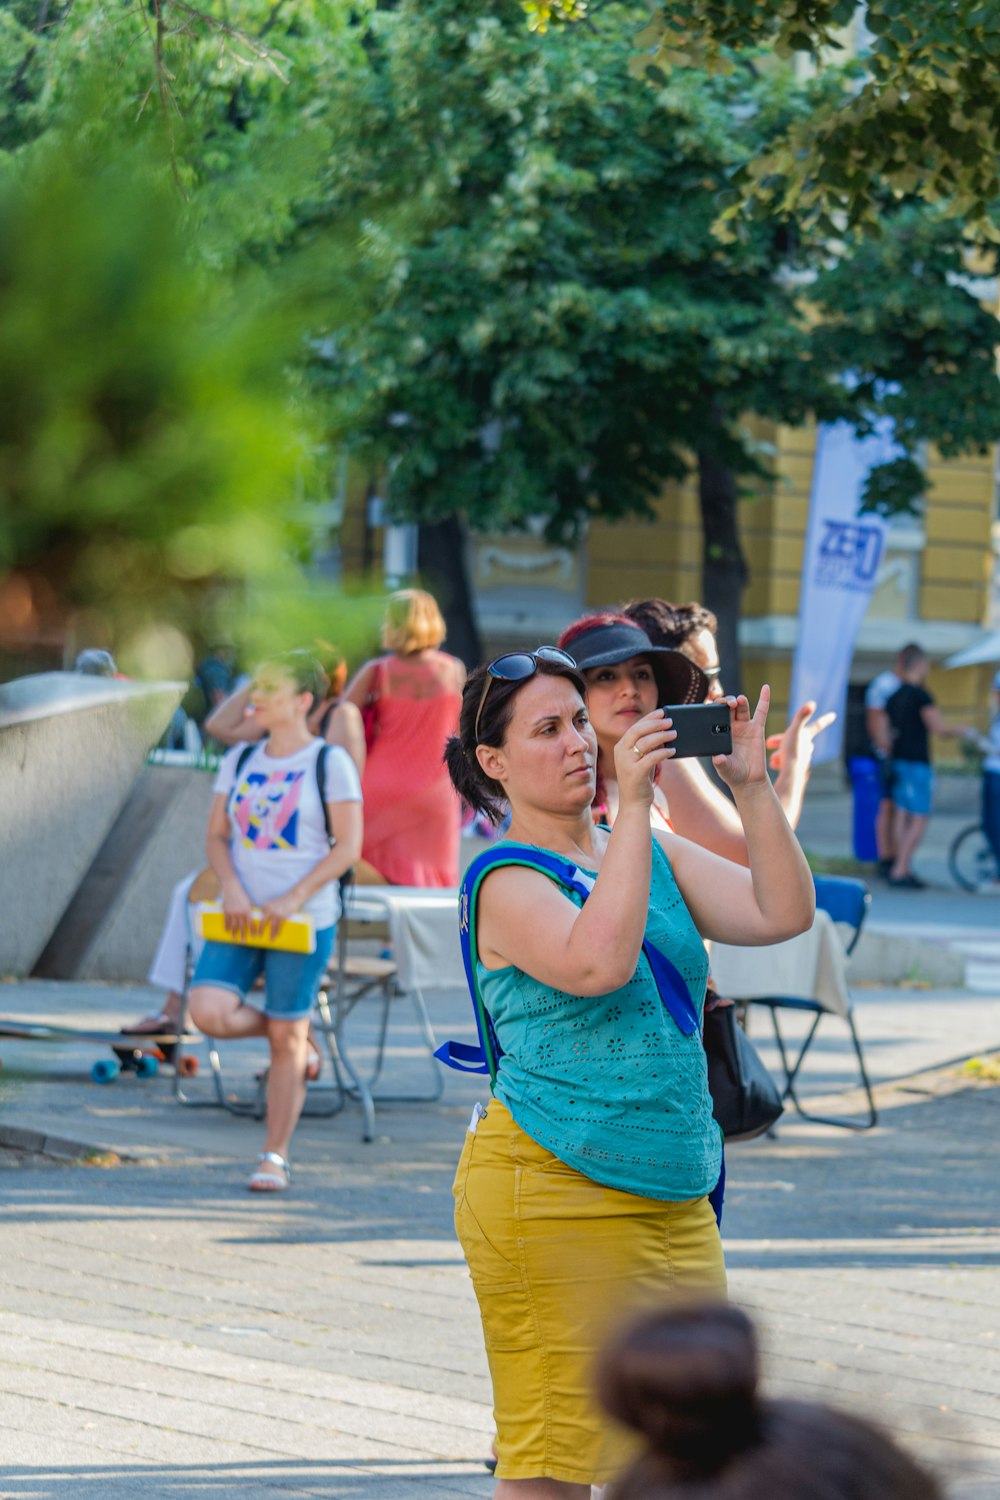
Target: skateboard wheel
<point>104,1072</point>
<point>187,1065</point>
<point>147,1066</point>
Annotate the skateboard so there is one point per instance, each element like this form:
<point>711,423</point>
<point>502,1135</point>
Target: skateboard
<point>132,1052</point>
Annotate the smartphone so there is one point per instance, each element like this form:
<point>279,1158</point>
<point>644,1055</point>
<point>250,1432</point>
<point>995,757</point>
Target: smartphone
<point>702,728</point>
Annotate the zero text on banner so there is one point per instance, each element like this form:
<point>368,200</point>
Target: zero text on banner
<point>839,570</point>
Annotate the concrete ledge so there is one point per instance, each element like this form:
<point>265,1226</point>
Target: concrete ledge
<point>70,751</point>
<point>884,958</point>
<point>40,1144</point>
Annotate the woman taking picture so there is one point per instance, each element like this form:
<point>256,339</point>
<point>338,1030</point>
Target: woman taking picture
<point>583,1187</point>
<point>630,666</point>
<point>272,847</point>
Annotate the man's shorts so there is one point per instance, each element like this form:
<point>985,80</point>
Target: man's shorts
<point>912,786</point>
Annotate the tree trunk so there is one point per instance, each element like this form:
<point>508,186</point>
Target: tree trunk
<point>441,553</point>
<point>724,569</point>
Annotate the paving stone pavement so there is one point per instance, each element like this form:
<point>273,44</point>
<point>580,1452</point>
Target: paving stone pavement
<point>165,1333</point>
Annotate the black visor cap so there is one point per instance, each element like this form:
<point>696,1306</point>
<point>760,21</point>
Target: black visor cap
<point>678,680</point>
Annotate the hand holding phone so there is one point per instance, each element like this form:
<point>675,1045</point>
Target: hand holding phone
<point>702,728</point>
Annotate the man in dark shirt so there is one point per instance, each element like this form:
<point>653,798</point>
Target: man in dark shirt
<point>913,717</point>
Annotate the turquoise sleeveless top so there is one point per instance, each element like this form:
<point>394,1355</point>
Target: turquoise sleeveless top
<point>609,1083</point>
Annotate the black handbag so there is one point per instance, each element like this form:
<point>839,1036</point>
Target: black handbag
<point>745,1098</point>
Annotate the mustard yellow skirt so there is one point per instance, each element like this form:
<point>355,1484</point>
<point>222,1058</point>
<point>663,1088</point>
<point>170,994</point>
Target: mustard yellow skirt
<point>557,1261</point>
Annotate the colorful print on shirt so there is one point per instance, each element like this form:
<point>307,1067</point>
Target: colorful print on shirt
<point>266,809</point>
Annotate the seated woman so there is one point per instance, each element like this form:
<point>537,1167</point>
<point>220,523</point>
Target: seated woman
<point>582,1189</point>
<point>234,722</point>
<point>269,843</point>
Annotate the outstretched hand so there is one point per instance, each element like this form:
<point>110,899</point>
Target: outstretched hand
<point>793,750</point>
<point>746,766</point>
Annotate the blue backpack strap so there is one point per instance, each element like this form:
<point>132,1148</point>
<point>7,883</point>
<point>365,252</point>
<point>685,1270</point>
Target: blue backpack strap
<point>486,1057</point>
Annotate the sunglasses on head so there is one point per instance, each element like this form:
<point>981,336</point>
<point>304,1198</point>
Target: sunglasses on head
<point>518,666</point>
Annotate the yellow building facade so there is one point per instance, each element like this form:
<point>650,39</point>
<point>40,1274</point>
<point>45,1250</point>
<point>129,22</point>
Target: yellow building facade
<point>936,583</point>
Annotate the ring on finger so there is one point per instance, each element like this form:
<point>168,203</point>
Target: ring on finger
<point>637,749</point>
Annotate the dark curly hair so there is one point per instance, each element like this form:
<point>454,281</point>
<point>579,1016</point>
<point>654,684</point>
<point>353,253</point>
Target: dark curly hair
<point>669,624</point>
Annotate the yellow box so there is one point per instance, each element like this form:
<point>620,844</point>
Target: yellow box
<point>295,935</point>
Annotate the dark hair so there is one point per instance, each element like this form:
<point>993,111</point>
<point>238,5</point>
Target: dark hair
<point>911,656</point>
<point>301,668</point>
<point>686,1380</point>
<point>669,624</point>
<point>480,791</point>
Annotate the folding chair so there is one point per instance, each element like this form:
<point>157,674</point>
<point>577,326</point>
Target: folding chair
<point>355,977</point>
<point>846,902</point>
<point>205,888</point>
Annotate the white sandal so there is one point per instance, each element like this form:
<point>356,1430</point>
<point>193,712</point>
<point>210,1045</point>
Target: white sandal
<point>262,1181</point>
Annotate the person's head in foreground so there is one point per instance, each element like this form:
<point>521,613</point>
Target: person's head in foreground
<point>686,1381</point>
<point>524,732</point>
<point>413,622</point>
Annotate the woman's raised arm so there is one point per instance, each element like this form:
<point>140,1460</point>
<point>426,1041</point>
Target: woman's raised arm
<point>525,920</point>
<point>775,898</point>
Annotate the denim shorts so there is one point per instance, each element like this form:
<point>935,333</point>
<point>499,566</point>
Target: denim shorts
<point>912,785</point>
<point>291,980</point>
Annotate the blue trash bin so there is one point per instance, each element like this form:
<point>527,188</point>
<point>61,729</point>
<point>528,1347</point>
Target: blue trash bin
<point>866,782</point>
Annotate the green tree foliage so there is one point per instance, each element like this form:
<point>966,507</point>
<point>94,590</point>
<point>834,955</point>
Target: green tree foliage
<point>553,324</point>
<point>232,99</point>
<point>158,446</point>
<point>148,446</point>
<point>556,329</point>
<point>919,115</point>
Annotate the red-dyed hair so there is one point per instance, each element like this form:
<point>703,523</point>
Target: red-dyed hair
<point>591,622</point>
<point>599,807</point>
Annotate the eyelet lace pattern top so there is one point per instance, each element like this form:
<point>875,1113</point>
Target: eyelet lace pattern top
<point>608,1083</point>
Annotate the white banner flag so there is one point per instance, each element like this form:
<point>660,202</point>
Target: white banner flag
<point>839,569</point>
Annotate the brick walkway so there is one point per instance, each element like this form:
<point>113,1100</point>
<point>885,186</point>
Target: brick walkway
<point>166,1334</point>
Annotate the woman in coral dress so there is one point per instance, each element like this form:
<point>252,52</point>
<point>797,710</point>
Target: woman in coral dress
<point>410,699</point>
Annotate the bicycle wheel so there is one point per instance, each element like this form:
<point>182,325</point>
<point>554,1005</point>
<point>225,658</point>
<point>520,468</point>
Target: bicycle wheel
<point>971,861</point>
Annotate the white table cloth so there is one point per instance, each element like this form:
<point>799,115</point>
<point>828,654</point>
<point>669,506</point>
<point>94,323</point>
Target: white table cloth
<point>812,966</point>
<point>423,927</point>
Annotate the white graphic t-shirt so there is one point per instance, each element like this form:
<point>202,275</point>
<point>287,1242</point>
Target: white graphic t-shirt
<point>278,833</point>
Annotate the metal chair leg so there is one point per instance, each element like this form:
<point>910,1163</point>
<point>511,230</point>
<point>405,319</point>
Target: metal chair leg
<point>357,1087</point>
<point>792,1073</point>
